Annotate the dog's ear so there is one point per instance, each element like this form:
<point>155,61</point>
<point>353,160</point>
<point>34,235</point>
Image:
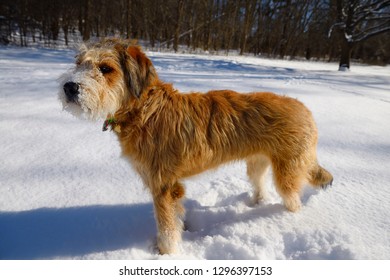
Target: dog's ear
<point>138,70</point>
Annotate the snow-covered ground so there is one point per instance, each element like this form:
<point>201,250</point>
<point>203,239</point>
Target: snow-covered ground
<point>65,192</point>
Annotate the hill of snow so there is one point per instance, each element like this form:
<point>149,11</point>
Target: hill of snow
<point>66,193</point>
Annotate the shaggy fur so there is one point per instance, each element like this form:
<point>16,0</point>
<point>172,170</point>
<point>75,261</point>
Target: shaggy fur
<point>168,136</point>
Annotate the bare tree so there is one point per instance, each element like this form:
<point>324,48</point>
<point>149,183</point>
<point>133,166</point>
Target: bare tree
<point>180,11</point>
<point>128,10</point>
<point>86,21</point>
<point>249,13</point>
<point>358,21</point>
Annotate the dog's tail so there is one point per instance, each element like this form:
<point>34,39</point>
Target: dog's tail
<point>320,177</point>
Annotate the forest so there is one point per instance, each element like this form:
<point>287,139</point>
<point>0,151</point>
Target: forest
<point>330,30</point>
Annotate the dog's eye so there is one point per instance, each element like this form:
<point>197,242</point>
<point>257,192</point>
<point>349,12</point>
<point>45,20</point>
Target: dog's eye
<point>105,69</point>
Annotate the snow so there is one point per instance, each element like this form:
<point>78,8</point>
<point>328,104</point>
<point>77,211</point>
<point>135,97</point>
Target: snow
<point>66,192</point>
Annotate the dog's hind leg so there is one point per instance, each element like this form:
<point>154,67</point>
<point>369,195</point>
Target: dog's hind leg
<point>257,167</point>
<point>289,180</point>
<point>169,212</point>
<point>177,194</point>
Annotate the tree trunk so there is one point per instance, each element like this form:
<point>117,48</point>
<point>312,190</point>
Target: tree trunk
<point>207,19</point>
<point>180,10</point>
<point>128,19</point>
<point>249,11</point>
<point>65,28</point>
<point>286,28</point>
<point>231,30</point>
<point>87,20</point>
<point>346,49</point>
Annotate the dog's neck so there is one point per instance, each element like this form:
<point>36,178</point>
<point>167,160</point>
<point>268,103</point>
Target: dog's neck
<point>135,108</point>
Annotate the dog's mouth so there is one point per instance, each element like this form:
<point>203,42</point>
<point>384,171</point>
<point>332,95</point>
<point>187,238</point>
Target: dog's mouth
<point>74,101</point>
<point>73,96</point>
<point>73,104</point>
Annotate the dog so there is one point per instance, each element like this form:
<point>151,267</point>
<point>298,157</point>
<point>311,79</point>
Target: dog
<point>168,136</point>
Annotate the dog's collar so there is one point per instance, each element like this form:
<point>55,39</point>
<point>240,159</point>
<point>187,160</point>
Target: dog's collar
<point>113,123</point>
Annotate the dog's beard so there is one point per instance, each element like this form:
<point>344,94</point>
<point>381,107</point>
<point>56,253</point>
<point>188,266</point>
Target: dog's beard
<point>93,101</point>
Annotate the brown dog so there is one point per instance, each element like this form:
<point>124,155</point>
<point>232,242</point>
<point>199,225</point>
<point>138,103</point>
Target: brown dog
<point>168,136</point>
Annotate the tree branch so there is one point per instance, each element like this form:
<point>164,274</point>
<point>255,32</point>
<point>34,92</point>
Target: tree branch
<point>340,25</point>
<point>365,11</point>
<point>371,32</point>
<point>381,3</point>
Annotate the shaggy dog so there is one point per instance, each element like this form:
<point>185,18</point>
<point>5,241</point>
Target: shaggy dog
<point>167,135</point>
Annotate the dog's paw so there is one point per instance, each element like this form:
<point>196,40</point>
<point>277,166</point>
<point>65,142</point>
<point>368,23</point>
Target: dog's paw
<point>257,198</point>
<point>327,185</point>
<point>167,241</point>
<point>293,203</point>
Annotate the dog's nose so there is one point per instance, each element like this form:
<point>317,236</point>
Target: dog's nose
<point>71,91</point>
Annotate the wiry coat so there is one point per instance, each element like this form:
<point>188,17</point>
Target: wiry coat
<point>178,135</point>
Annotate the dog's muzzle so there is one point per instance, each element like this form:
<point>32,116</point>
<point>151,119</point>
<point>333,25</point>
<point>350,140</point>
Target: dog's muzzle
<point>71,90</point>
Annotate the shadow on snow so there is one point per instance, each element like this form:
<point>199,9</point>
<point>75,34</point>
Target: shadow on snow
<point>48,233</point>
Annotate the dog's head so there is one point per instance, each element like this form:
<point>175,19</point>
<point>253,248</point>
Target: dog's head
<point>108,75</point>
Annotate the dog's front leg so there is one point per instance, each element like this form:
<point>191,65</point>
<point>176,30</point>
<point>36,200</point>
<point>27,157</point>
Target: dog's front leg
<point>168,212</point>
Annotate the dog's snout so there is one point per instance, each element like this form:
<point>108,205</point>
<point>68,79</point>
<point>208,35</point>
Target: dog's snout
<point>71,90</point>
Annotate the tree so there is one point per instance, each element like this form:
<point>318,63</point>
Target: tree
<point>87,20</point>
<point>357,21</point>
<point>180,11</point>
<point>249,13</point>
